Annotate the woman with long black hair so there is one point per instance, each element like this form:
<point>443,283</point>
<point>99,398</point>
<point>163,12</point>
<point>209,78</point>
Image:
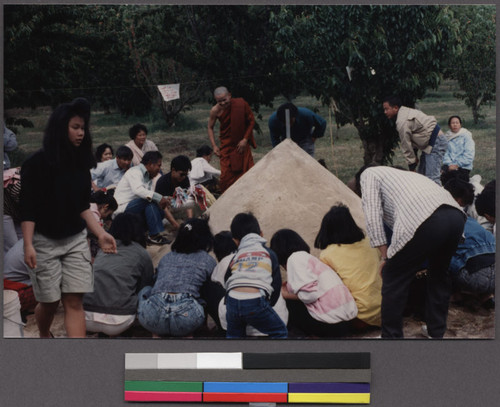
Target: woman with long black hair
<point>55,196</point>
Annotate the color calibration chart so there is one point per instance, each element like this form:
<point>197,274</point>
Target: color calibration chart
<point>234,377</point>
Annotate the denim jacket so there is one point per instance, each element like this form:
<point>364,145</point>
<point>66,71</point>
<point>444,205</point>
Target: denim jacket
<point>477,241</point>
<point>183,273</point>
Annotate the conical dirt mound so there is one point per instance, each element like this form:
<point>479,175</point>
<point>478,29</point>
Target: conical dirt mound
<point>287,188</point>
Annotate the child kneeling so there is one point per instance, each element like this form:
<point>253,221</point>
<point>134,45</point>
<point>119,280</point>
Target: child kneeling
<point>253,282</point>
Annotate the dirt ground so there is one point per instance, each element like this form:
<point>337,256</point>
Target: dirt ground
<point>466,321</point>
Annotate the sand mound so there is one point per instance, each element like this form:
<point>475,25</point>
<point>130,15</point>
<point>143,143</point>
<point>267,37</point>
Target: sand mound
<point>287,188</point>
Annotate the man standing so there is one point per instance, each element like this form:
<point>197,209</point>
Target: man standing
<point>110,172</point>
<point>135,194</point>
<point>305,126</point>
<point>236,136</point>
<point>417,131</point>
<point>427,225</point>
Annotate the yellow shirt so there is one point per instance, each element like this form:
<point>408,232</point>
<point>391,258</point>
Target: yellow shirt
<point>357,265</point>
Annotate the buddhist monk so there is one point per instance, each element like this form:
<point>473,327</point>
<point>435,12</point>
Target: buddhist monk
<point>236,136</point>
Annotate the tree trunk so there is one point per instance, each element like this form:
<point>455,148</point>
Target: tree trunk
<point>475,113</point>
<point>373,151</point>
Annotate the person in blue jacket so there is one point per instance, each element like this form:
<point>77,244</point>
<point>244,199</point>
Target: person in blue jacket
<point>472,267</point>
<point>305,126</point>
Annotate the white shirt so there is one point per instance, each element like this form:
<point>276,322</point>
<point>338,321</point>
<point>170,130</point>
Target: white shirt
<point>201,171</point>
<point>403,200</point>
<point>134,184</point>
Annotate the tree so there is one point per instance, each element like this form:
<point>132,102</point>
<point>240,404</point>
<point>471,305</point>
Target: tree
<point>202,47</point>
<point>118,54</point>
<point>34,52</point>
<point>350,57</point>
<point>151,41</point>
<point>474,67</point>
<point>55,53</point>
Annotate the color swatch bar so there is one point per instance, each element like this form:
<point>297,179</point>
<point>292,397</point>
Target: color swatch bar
<point>306,361</point>
<point>146,385</point>
<point>248,375</point>
<point>163,396</point>
<point>238,387</point>
<point>329,388</point>
<point>332,398</point>
<point>333,378</point>
<point>246,397</point>
<point>206,360</point>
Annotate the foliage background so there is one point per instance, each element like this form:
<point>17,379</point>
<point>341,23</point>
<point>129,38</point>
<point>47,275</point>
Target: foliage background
<point>340,147</point>
<point>115,55</point>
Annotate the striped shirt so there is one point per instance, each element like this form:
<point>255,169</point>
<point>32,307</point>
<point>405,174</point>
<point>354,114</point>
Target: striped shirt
<point>402,200</point>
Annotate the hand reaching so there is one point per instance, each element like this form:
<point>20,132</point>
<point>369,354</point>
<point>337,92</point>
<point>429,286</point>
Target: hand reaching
<point>107,243</point>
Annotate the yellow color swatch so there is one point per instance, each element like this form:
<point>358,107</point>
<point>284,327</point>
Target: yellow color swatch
<point>347,398</point>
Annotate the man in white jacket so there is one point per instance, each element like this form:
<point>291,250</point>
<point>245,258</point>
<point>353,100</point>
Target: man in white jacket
<point>134,193</point>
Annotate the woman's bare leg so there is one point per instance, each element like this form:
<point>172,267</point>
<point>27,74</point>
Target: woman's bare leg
<point>44,315</point>
<point>74,316</point>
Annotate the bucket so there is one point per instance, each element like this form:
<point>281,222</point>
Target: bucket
<point>12,322</point>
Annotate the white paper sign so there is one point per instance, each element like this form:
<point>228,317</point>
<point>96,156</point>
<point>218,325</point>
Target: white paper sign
<point>170,92</point>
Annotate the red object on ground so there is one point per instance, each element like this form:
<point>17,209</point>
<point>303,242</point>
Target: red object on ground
<point>25,293</point>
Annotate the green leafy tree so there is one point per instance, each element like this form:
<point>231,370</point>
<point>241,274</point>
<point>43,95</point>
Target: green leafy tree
<point>57,52</point>
<point>350,57</point>
<point>36,48</point>
<point>152,41</point>
<point>202,47</point>
<point>474,67</point>
<point>234,46</point>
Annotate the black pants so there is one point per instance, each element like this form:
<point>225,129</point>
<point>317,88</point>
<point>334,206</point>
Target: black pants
<point>299,317</point>
<point>212,293</point>
<point>436,241</point>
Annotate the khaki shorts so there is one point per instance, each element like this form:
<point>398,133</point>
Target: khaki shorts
<point>63,266</point>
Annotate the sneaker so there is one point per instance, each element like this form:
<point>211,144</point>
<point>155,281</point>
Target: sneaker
<point>425,332</point>
<point>158,240</point>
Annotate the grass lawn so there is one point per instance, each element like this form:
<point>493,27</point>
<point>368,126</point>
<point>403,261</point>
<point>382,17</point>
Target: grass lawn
<point>341,148</point>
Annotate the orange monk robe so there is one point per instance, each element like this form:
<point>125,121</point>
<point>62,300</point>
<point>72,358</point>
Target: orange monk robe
<point>236,122</point>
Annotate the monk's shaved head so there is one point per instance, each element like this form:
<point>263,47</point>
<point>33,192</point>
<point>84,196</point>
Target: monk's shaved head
<point>220,91</point>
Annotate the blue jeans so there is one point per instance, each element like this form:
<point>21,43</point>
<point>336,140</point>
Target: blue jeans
<point>149,210</point>
<point>481,282</point>
<point>430,164</point>
<point>256,312</point>
<point>169,314</point>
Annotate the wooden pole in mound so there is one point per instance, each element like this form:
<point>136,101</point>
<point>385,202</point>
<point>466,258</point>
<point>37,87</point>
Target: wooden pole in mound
<point>287,188</point>
<point>287,123</point>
